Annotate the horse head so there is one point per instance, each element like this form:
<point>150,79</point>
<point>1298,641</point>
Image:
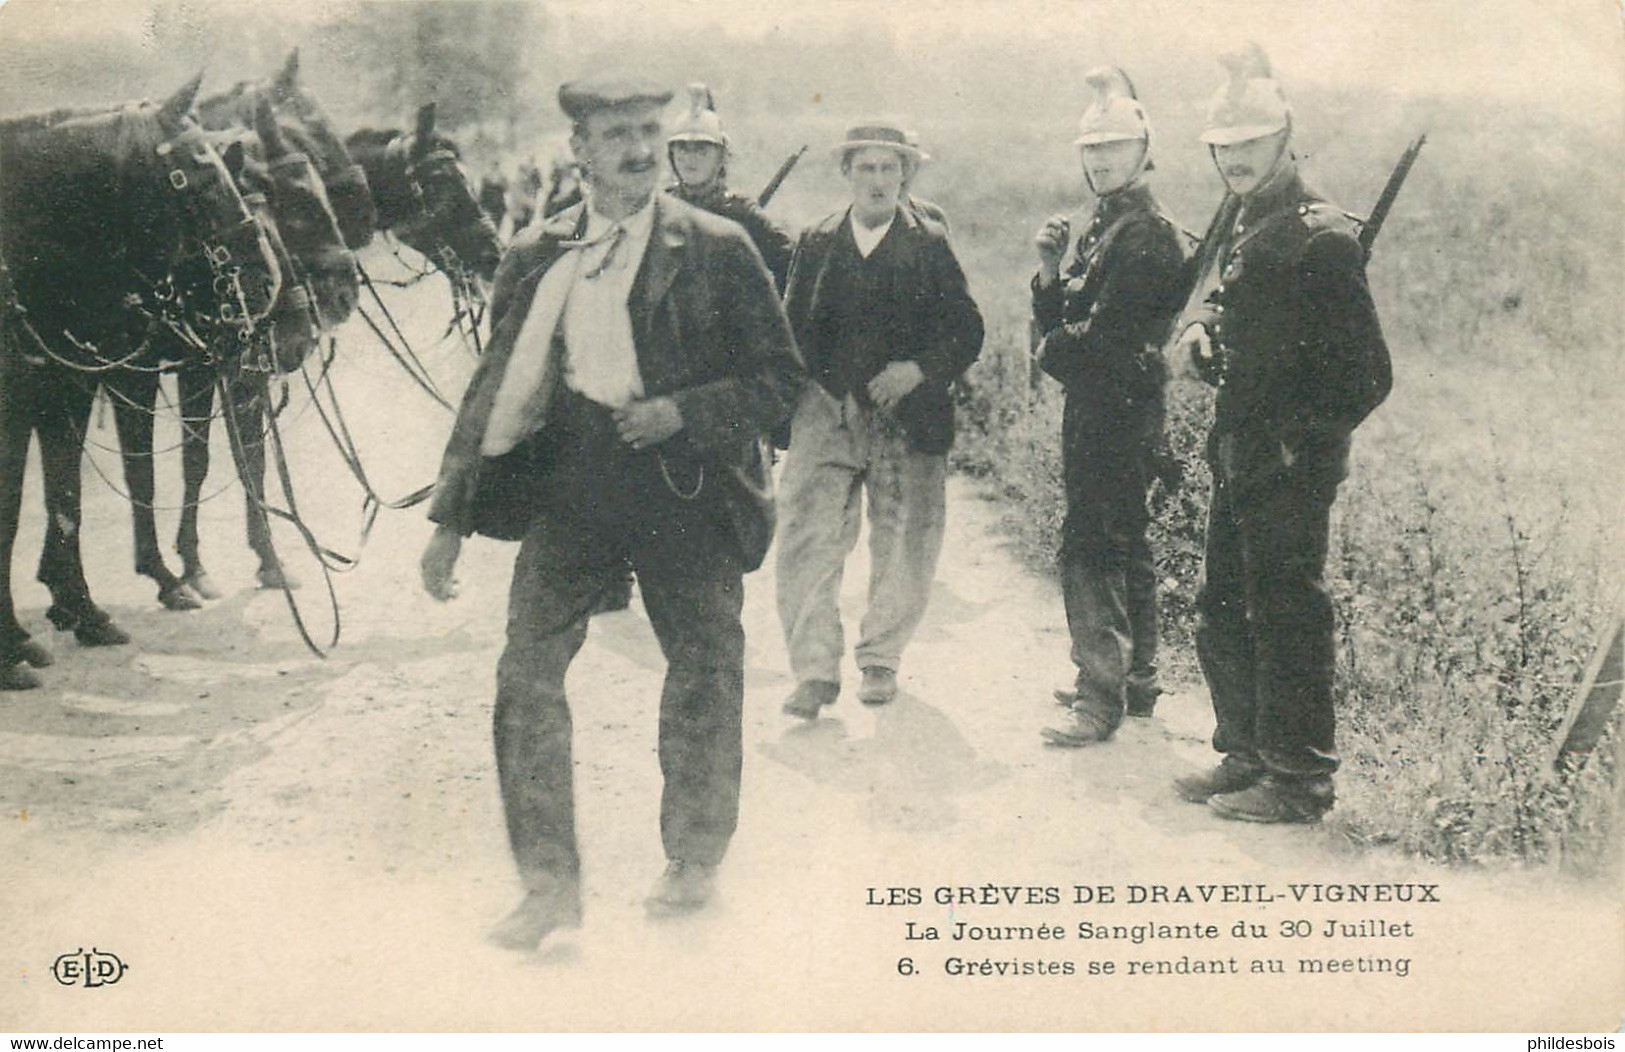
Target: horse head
<point>305,218</point>
<point>283,187</point>
<point>425,198</point>
<point>304,123</point>
<point>224,256</point>
<point>116,212</point>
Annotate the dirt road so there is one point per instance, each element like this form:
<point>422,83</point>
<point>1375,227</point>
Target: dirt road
<point>272,841</point>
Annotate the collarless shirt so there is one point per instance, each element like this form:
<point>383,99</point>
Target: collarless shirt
<point>581,301</point>
<point>601,360</point>
<point>866,237</point>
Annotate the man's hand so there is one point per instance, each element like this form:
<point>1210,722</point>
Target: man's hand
<point>1192,357</point>
<point>1051,242</point>
<point>894,383</point>
<point>438,561</point>
<point>648,423</point>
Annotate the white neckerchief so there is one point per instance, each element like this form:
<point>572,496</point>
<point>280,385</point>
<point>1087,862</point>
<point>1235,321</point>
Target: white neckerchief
<point>868,239</point>
<point>603,362</point>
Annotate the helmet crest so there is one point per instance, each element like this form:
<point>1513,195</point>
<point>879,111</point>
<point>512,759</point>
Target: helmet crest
<point>1114,113</point>
<point>1250,104</point>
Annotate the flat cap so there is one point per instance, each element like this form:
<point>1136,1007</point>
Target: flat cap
<point>601,91</point>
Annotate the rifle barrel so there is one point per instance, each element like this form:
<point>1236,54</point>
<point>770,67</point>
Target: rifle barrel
<point>1379,212</point>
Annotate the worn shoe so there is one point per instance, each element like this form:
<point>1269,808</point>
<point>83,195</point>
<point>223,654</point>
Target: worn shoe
<point>811,696</point>
<point>879,685</point>
<point>683,888</point>
<point>1142,700</point>
<point>1276,799</point>
<point>1232,775</point>
<point>538,916</point>
<point>1083,727</point>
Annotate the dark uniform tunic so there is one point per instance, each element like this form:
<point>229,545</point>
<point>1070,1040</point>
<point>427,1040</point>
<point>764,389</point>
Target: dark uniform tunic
<point>1300,361</point>
<point>770,240</point>
<point>1102,323</point>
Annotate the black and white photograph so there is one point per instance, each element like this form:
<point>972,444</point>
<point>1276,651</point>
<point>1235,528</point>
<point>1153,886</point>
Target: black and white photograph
<point>1073,516</point>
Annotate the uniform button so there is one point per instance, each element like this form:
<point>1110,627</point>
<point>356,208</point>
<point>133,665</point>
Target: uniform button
<point>1218,308</point>
<point>1220,289</point>
<point>1240,227</point>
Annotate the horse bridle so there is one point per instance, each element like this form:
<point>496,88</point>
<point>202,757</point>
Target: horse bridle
<point>162,302</point>
<point>220,248</point>
<point>425,218</point>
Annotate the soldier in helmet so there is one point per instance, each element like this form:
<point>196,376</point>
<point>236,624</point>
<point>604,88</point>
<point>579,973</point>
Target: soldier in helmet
<point>1102,322</point>
<point>698,151</point>
<point>1280,320</point>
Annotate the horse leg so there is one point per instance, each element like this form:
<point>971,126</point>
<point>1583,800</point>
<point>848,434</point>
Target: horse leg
<point>135,401</point>
<point>197,412</point>
<point>251,407</point>
<point>17,649</point>
<point>61,429</point>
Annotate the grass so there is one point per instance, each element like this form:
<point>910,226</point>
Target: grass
<point>1471,549</point>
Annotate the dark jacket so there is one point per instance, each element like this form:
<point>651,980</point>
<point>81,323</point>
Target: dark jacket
<point>1104,321</point>
<point>770,240</point>
<point>1302,356</point>
<point>709,332</point>
<point>932,321</point>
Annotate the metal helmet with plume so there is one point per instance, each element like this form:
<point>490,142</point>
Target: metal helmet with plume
<point>1250,104</point>
<point>701,123</point>
<point>1114,113</point>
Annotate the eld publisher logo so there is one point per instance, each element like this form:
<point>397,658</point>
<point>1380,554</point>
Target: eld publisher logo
<point>88,969</point>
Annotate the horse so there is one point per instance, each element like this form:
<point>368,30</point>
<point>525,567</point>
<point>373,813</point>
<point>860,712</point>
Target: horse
<point>319,292</point>
<point>305,124</point>
<point>423,197</point>
<point>115,225</point>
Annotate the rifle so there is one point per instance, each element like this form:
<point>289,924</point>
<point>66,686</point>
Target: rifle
<point>778,179</point>
<point>1372,224</point>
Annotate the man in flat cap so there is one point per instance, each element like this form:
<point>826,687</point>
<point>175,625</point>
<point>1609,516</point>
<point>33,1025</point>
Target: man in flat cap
<point>1280,320</point>
<point>886,324</point>
<point>638,354</point>
<point>1103,324</point>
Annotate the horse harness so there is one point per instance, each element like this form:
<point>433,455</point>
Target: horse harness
<point>161,303</point>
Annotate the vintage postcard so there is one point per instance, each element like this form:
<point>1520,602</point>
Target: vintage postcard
<point>672,516</point>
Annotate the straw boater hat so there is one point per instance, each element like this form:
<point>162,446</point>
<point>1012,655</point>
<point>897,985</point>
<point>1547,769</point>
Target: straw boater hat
<point>1250,105</point>
<point>1114,114</point>
<point>879,133</point>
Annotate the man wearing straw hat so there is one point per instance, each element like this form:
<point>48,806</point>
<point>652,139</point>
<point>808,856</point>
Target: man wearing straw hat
<point>638,354</point>
<point>885,322</point>
<point>1103,327</point>
<point>1281,321</point>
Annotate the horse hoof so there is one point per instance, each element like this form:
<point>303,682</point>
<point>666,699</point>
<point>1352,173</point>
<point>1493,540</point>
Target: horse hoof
<point>19,677</point>
<point>202,584</point>
<point>32,653</point>
<point>100,634</point>
<point>276,577</point>
<point>180,596</point>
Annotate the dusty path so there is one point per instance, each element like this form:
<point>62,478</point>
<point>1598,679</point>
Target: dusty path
<point>270,841</point>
